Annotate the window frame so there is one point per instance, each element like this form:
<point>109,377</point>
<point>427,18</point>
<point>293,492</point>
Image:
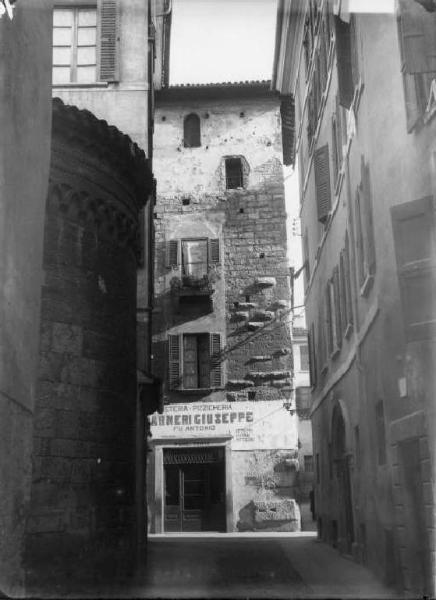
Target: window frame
<point>241,175</point>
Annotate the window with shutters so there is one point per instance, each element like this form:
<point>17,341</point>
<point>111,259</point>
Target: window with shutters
<point>85,43</point>
<point>191,131</point>
<point>417,36</point>
<point>332,313</point>
<point>346,59</point>
<point>322,340</point>
<point>322,182</point>
<point>365,244</point>
<point>194,259</point>
<point>338,130</point>
<point>306,258</point>
<point>308,463</point>
<point>304,357</point>
<point>413,225</point>
<point>194,361</point>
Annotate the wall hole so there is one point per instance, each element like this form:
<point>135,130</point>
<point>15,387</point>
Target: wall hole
<point>241,210</point>
<point>186,201</point>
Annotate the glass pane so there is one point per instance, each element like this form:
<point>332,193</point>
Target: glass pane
<point>61,74</point>
<point>194,257</point>
<point>86,56</point>
<point>172,486</point>
<point>61,56</point>
<point>194,502</point>
<point>62,36</point>
<point>88,17</point>
<point>87,36</point>
<point>194,488</point>
<point>86,74</point>
<point>62,16</point>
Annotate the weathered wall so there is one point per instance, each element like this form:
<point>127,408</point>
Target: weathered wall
<point>251,314</point>
<point>25,117</point>
<point>83,485</point>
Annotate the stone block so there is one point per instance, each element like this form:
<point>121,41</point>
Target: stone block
<point>265,282</point>
<point>283,514</point>
<point>241,315</point>
<point>245,305</point>
<point>254,326</point>
<point>67,338</point>
<point>263,315</point>
<point>239,383</point>
<point>260,358</point>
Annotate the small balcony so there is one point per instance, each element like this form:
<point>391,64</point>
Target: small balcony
<point>196,280</point>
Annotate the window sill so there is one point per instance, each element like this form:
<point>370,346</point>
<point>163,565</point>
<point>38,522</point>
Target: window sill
<point>195,391</point>
<point>367,285</point>
<point>96,84</point>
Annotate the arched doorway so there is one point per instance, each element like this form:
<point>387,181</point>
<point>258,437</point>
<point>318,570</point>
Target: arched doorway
<point>342,529</point>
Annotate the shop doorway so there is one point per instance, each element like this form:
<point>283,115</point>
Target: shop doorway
<point>194,489</point>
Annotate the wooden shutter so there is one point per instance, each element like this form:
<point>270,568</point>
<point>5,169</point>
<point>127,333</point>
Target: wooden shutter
<point>348,281</point>
<point>174,361</point>
<point>109,39</point>
<point>337,307</point>
<point>215,360</point>
<point>418,36</point>
<point>328,318</point>
<point>369,224</point>
<point>172,253</point>
<point>344,62</point>
<point>413,225</point>
<point>214,250</point>
<point>312,355</point>
<point>322,182</point>
<point>343,291</point>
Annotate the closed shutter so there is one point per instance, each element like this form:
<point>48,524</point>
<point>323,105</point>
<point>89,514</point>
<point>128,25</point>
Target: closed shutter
<point>338,307</point>
<point>312,355</point>
<point>109,39</point>
<point>339,131</point>
<point>343,291</point>
<point>172,253</point>
<point>369,224</point>
<point>322,182</point>
<point>418,36</point>
<point>214,250</point>
<point>413,225</point>
<point>344,62</point>
<point>215,360</point>
<point>329,318</point>
<point>287,113</point>
<point>348,281</point>
<point>174,361</point>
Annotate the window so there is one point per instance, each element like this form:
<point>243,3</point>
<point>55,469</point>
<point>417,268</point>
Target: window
<point>338,131</point>
<point>322,182</point>
<point>306,258</point>
<point>417,27</point>
<point>346,313</point>
<point>347,60</point>
<point>333,314</point>
<point>364,230</point>
<point>304,357</point>
<point>413,225</point>
<point>357,445</point>
<point>308,463</point>
<point>194,361</point>
<point>85,43</point>
<point>193,256</point>
<point>234,173</point>
<point>191,131</point>
<point>74,45</point>
<point>381,433</point>
<point>322,347</point>
<point>312,355</point>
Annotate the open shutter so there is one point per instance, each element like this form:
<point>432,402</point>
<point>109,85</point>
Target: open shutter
<point>214,250</point>
<point>174,361</point>
<point>413,225</point>
<point>215,360</point>
<point>344,62</point>
<point>312,355</point>
<point>322,182</point>
<point>338,306</point>
<point>418,34</point>
<point>109,39</point>
<point>287,113</point>
<point>172,253</point>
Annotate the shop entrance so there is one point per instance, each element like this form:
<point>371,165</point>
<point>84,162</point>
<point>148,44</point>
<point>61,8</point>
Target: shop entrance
<point>194,489</point>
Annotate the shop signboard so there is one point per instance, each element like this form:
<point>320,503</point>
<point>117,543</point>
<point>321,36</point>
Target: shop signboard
<point>249,425</point>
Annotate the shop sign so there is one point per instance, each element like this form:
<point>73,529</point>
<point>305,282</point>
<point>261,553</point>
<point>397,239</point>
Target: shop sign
<point>249,424</point>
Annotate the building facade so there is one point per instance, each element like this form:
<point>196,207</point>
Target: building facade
<point>363,90</point>
<point>224,453</point>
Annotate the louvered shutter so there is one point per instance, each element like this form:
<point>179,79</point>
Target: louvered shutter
<point>322,182</point>
<point>344,62</point>
<point>312,356</point>
<point>369,224</point>
<point>174,361</point>
<point>338,307</point>
<point>215,360</point>
<point>418,33</point>
<point>328,318</point>
<point>287,113</point>
<point>214,250</point>
<point>413,225</point>
<point>109,39</point>
<point>172,253</point>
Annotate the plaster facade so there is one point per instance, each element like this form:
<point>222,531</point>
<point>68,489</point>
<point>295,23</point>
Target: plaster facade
<point>373,409</point>
<point>25,118</point>
<point>247,304</point>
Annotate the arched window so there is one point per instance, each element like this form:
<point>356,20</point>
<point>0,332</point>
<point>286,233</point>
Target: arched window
<point>191,131</point>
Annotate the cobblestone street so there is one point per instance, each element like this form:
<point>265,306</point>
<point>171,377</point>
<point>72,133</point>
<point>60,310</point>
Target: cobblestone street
<point>253,566</point>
